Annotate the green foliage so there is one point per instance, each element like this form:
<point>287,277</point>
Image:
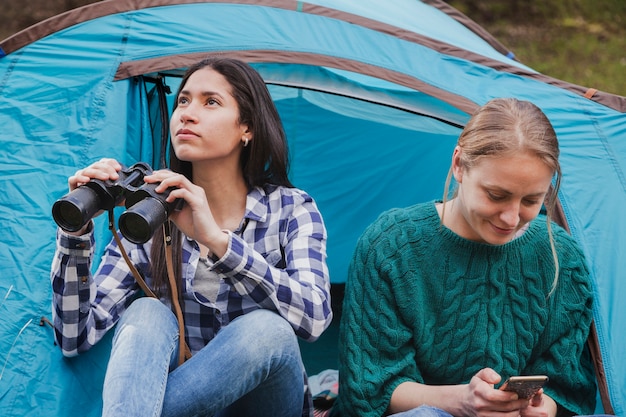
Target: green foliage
<point>579,41</point>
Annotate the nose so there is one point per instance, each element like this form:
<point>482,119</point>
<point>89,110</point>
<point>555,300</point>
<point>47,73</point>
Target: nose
<point>510,216</point>
<point>188,113</point>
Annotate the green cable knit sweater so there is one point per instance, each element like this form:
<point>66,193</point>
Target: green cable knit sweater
<point>423,304</point>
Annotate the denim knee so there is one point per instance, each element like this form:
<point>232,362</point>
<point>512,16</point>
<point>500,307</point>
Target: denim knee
<point>149,315</point>
<point>266,327</point>
<point>423,411</point>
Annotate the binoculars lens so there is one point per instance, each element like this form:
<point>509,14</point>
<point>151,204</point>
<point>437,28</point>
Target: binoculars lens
<point>146,211</point>
<point>141,220</point>
<point>73,211</point>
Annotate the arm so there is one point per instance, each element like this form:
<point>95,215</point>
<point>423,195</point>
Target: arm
<point>299,290</point>
<point>85,307</point>
<point>562,352</point>
<point>291,225</point>
<point>478,398</point>
<point>375,354</point>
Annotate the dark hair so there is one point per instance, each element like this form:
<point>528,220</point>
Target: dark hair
<point>263,161</point>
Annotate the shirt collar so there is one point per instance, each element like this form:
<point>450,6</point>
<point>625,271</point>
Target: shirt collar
<point>257,203</point>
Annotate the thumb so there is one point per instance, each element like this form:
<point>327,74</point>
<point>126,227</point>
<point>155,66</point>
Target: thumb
<point>537,399</point>
<point>489,376</point>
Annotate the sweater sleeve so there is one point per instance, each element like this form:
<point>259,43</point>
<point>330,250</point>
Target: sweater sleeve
<point>374,345</point>
<point>562,351</point>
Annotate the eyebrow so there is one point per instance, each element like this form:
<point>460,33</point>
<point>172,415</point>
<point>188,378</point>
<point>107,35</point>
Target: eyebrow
<point>507,192</point>
<point>202,94</point>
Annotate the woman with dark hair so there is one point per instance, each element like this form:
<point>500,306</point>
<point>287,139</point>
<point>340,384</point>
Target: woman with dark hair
<point>249,257</point>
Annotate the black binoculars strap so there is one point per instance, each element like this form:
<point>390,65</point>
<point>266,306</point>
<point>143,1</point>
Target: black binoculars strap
<point>183,350</point>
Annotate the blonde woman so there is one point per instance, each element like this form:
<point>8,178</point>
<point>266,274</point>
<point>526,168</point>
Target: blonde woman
<point>447,299</point>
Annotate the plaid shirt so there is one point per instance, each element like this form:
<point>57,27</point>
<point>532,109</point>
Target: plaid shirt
<point>276,260</point>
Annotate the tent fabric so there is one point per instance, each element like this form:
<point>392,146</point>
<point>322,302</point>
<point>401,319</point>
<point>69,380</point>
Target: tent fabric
<point>373,97</point>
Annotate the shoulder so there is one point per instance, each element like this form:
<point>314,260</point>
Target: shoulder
<point>277,203</point>
<point>418,215</point>
<point>400,225</point>
<point>284,196</point>
<point>574,272</point>
<point>567,247</point>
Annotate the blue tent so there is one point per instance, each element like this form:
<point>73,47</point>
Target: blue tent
<point>372,94</point>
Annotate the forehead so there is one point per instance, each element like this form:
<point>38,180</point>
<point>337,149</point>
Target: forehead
<point>522,173</point>
<point>207,80</point>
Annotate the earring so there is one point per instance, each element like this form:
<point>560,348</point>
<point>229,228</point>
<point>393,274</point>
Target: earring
<point>245,141</point>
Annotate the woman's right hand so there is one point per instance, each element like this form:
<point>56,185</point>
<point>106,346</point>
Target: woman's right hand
<point>105,169</point>
<point>476,399</point>
<point>482,400</point>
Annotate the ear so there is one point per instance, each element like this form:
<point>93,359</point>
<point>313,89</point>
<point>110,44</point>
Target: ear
<point>457,168</point>
<point>246,133</point>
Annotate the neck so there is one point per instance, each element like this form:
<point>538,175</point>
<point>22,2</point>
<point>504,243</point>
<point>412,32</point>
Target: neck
<point>449,215</point>
<point>226,191</point>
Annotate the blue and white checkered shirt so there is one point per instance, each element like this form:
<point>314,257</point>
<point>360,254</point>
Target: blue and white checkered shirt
<point>276,261</point>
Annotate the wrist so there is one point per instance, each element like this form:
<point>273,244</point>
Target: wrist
<point>88,227</point>
<point>218,243</point>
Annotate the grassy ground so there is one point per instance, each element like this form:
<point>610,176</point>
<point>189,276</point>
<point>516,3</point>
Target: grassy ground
<point>580,41</point>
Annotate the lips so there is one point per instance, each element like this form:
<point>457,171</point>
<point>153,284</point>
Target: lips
<point>182,133</point>
<point>502,231</point>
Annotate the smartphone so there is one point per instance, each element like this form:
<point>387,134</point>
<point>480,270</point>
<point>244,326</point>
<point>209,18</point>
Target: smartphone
<point>524,386</point>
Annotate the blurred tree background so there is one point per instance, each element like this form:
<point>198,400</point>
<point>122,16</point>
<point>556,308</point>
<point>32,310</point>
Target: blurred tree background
<point>580,41</point>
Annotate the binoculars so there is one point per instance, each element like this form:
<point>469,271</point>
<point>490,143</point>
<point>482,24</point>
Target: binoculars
<point>146,210</point>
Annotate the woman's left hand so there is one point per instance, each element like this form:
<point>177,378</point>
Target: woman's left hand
<point>195,219</point>
<point>540,405</point>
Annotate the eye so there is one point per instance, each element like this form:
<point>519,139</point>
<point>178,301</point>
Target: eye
<point>495,197</point>
<point>182,100</point>
<point>531,201</point>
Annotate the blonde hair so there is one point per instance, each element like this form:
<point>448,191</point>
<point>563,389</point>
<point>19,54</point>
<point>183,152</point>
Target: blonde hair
<point>508,126</point>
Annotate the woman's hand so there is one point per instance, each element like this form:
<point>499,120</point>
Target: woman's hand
<point>540,406</point>
<point>476,399</point>
<point>105,169</point>
<point>195,219</point>
<point>482,400</point>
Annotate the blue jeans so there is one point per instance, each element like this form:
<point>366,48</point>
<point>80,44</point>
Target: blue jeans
<point>428,411</point>
<point>251,367</point>
<point>423,411</point>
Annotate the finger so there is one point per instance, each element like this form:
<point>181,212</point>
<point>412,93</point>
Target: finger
<point>104,169</point>
<point>537,399</point>
<point>160,176</point>
<point>111,162</point>
<point>489,376</point>
<point>170,180</point>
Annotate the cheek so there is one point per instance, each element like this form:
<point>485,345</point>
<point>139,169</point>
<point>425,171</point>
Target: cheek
<point>173,119</point>
<point>527,214</point>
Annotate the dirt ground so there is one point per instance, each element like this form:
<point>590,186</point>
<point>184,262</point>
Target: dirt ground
<point>16,15</point>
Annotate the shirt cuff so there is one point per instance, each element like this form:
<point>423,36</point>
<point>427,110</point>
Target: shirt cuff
<point>76,245</point>
<point>234,260</point>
